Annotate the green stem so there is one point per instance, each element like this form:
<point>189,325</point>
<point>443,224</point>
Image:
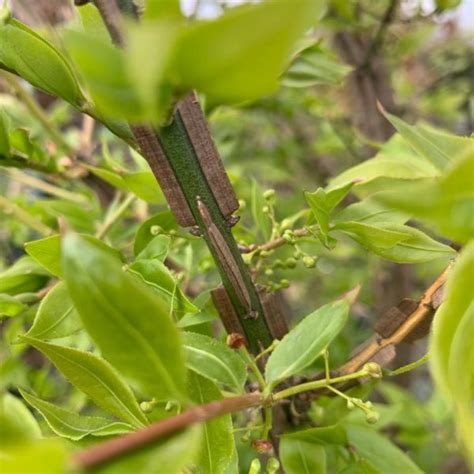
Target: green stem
<point>10,207</point>
<point>110,221</point>
<point>37,112</point>
<point>407,368</point>
<point>46,187</point>
<point>253,367</point>
<point>323,383</point>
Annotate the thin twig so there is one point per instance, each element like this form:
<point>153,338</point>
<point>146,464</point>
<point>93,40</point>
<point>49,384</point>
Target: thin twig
<point>378,37</point>
<point>110,221</point>
<point>10,207</point>
<point>118,447</point>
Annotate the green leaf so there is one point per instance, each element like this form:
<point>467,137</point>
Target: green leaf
<point>10,306</point>
<point>214,360</point>
<point>96,378</point>
<point>171,456</point>
<point>314,66</point>
<point>447,202</point>
<point>47,251</point>
<point>302,457</point>
<point>396,242</point>
<point>17,422</point>
<point>157,248</point>
<point>104,71</point>
<point>144,185</point>
<point>249,68</point>
<point>322,204</point>
<point>129,309</point>
<point>159,277</point>
<point>4,140</point>
<point>71,425</point>
<point>360,466</point>
<point>371,211</point>
<point>31,457</point>
<point>114,179</point>
<point>326,435</point>
<point>163,221</point>
<point>373,237</point>
<point>451,345</point>
<point>32,57</point>
<point>155,9</point>
<point>436,147</point>
<point>379,451</point>
<point>218,448</point>
<point>24,276</point>
<point>306,341</point>
<point>56,316</point>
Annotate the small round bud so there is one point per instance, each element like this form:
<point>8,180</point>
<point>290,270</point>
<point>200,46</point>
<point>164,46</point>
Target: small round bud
<point>242,204</point>
<point>269,272</point>
<point>369,404</point>
<point>350,405</point>
<point>290,262</point>
<point>235,340</point>
<point>372,417</point>
<point>287,237</point>
<point>172,233</point>
<point>373,370</point>
<point>269,194</point>
<point>278,263</point>
<point>156,230</point>
<point>285,224</point>
<point>284,283</point>
<point>265,209</point>
<point>273,465</point>
<point>262,446</point>
<point>146,407</point>
<point>309,262</point>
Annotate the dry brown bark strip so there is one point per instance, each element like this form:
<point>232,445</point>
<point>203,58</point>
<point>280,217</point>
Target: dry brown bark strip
<point>414,321</point>
<point>151,149</point>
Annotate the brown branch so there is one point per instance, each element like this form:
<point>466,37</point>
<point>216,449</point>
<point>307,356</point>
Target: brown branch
<point>273,244</point>
<point>375,44</point>
<point>117,447</point>
<point>425,308</point>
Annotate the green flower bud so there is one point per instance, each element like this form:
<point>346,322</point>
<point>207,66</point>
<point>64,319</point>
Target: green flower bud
<point>290,262</point>
<point>373,370</point>
<point>285,224</point>
<point>273,465</point>
<point>350,405</point>
<point>265,209</point>
<point>269,194</point>
<point>372,417</point>
<point>309,262</point>
<point>156,230</point>
<point>284,283</point>
<point>242,204</point>
<point>269,272</point>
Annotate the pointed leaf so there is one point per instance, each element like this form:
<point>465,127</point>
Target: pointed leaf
<point>218,448</point>
<point>302,457</point>
<point>214,360</point>
<point>145,346</point>
<point>29,55</point>
<point>71,425</point>
<point>96,378</point>
<point>306,341</point>
<point>56,316</point>
<point>249,68</point>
